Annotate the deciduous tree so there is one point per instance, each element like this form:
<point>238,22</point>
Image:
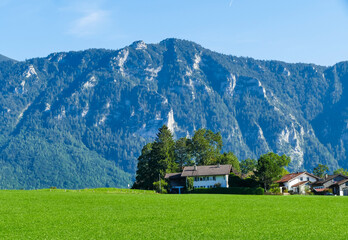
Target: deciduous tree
<point>320,170</point>
<point>270,168</point>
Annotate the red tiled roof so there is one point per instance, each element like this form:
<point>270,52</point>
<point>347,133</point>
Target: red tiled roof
<point>299,184</point>
<point>288,177</point>
<point>321,189</point>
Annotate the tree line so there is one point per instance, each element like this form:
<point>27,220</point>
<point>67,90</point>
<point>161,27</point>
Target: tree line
<point>166,155</point>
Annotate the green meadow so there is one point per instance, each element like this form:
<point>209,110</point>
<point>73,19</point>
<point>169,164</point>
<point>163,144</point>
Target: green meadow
<point>135,214</point>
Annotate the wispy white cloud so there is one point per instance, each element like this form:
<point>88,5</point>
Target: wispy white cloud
<point>89,24</point>
<point>231,2</point>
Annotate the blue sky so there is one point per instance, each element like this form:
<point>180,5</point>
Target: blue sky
<point>311,31</point>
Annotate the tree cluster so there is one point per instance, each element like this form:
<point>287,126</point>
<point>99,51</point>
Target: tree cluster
<point>165,155</point>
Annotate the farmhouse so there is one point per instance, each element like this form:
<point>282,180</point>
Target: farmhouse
<point>209,176</point>
<point>338,183</point>
<point>297,182</point>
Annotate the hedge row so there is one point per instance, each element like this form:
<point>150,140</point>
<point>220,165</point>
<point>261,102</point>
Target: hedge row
<point>231,190</point>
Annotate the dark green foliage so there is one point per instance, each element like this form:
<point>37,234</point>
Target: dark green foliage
<point>237,181</point>
<point>229,158</point>
<point>248,165</point>
<point>270,168</point>
<point>165,155</point>
<point>183,153</point>
<point>156,160</point>
<point>162,154</point>
<point>143,178</point>
<point>231,190</point>
<point>206,146</point>
<point>189,184</point>
<point>161,186</point>
<point>320,170</point>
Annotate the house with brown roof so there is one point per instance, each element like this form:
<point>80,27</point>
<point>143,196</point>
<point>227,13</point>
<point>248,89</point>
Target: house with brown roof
<point>337,183</point>
<point>297,182</point>
<point>209,176</point>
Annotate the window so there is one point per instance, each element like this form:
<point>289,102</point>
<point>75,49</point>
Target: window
<point>201,179</point>
<point>301,178</point>
<point>214,178</point>
<point>307,178</point>
<point>196,179</point>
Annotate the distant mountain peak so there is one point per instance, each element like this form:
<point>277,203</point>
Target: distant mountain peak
<point>4,58</point>
<point>84,116</point>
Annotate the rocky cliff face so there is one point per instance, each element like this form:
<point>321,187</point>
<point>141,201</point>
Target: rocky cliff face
<point>79,119</point>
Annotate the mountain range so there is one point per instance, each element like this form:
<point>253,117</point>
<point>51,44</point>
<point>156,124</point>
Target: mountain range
<point>80,119</point>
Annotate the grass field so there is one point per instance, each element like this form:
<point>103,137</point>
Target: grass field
<point>120,214</point>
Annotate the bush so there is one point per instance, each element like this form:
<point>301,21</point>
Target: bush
<point>274,188</point>
<point>163,189</point>
<point>231,190</point>
<point>189,184</point>
<point>236,181</point>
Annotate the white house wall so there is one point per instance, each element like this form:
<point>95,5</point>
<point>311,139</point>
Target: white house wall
<point>297,179</point>
<point>223,180</point>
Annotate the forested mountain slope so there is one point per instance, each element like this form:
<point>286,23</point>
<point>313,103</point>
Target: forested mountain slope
<point>80,119</point>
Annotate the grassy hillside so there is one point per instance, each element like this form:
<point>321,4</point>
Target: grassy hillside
<point>121,214</point>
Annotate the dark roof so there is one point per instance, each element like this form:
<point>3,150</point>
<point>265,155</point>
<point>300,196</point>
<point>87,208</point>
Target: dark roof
<point>206,170</point>
<point>341,182</point>
<point>329,178</point>
<point>172,175</point>
<point>300,183</point>
<point>288,177</point>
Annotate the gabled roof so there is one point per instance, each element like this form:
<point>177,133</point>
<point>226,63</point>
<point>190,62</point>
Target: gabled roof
<point>329,178</point>
<point>300,183</point>
<point>206,170</point>
<point>290,176</point>
<point>342,182</point>
<point>172,175</point>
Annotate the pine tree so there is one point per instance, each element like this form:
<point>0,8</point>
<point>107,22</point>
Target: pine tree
<point>162,155</point>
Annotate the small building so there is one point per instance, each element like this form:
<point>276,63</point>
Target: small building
<point>208,176</point>
<point>297,182</point>
<point>337,183</point>
<point>176,182</point>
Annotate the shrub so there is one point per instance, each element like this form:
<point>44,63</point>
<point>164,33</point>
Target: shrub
<point>189,184</point>
<point>236,181</point>
<point>274,188</point>
<point>163,189</point>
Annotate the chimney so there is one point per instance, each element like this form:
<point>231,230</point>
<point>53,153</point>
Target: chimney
<point>194,168</point>
<point>326,176</point>
<point>218,165</point>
